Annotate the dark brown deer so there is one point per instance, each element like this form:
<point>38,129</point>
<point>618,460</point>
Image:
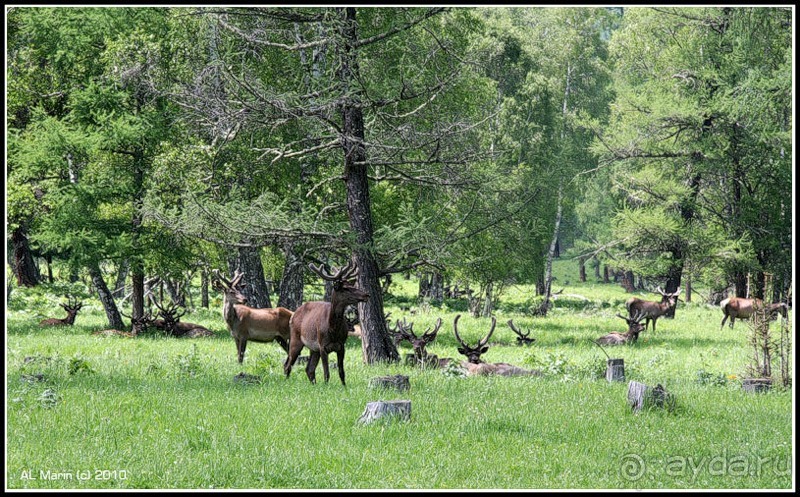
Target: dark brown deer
<point>322,326</point>
<point>404,331</point>
<point>476,366</point>
<point>652,310</point>
<point>173,326</point>
<point>629,337</point>
<point>248,323</point>
<point>137,326</point>
<point>738,307</point>
<point>72,307</point>
<point>522,338</point>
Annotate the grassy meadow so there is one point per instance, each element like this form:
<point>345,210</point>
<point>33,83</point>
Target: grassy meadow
<point>86,412</point>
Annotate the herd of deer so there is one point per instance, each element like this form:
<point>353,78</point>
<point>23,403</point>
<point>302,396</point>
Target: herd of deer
<point>323,327</point>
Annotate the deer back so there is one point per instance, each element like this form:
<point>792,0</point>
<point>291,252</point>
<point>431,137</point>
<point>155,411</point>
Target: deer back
<point>260,324</point>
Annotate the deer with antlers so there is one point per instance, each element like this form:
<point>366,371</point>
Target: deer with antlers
<point>175,327</point>
<point>522,338</point>
<point>138,325</point>
<point>652,310</point>
<point>72,307</point>
<point>322,326</point>
<point>635,327</point>
<point>405,331</point>
<point>249,323</point>
<point>476,366</point>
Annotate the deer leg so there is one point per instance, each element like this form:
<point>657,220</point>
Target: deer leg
<point>340,362</point>
<point>311,367</point>
<point>733,318</point>
<point>282,342</point>
<point>722,324</point>
<point>325,371</point>
<point>241,345</point>
<point>295,346</point>
<point>654,324</point>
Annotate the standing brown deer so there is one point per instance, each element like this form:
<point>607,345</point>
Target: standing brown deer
<point>403,331</point>
<point>248,323</point>
<point>322,326</point>
<point>634,328</point>
<point>738,307</point>
<point>652,310</point>
<point>72,307</point>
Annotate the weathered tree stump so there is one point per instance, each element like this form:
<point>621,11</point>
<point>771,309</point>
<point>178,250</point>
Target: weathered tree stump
<point>398,382</point>
<point>756,385</point>
<point>642,396</point>
<point>615,371</point>
<point>389,409</point>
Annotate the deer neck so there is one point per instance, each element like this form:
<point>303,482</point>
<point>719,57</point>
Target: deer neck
<point>229,312</point>
<point>70,319</point>
<point>336,319</point>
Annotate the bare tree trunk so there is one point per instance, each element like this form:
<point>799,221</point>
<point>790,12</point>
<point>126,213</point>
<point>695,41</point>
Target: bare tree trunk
<point>437,287</point>
<point>582,269</point>
<point>103,293</point>
<point>49,259</point>
<point>688,292</point>
<point>548,274</point>
<point>627,281</point>
<point>487,301</point>
<point>204,288</point>
<point>24,266</point>
<point>254,286</point>
<point>122,275</point>
<point>377,346</point>
<point>605,274</point>
<point>596,266</point>
<point>290,293</point>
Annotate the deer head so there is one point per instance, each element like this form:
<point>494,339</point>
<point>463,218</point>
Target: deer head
<point>170,316</point>
<point>473,353</point>
<point>403,331</point>
<point>229,288</point>
<point>344,290</point>
<point>635,325</point>
<point>138,325</point>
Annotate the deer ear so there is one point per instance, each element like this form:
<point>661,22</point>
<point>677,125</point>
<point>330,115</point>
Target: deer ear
<point>484,349</point>
<point>338,285</point>
<point>462,351</point>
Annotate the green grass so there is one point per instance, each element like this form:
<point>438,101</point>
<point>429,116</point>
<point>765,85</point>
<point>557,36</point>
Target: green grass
<point>168,413</point>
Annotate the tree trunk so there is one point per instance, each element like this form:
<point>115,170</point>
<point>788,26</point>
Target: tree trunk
<point>688,291</point>
<point>424,286</point>
<point>582,269</point>
<point>596,266</point>
<point>24,266</point>
<point>253,284</point>
<point>104,294</point>
<point>290,293</point>
<point>122,275</point>
<point>627,281</point>
<point>605,274</point>
<point>137,265</point>
<point>174,293</point>
<point>204,288</point>
<point>548,274</point>
<point>437,287</point>
<point>377,346</point>
<point>49,259</point>
<point>487,301</point>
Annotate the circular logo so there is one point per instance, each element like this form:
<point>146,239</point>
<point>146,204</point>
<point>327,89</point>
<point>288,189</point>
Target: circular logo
<point>632,467</point>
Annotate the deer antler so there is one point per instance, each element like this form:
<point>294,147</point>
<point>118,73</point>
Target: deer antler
<point>455,329</point>
<point>429,335</point>
<point>344,273</point>
<point>484,341</point>
<point>515,330</point>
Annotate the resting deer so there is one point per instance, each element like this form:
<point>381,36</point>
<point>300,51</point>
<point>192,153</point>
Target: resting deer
<point>138,325</point>
<point>652,310</point>
<point>476,366</point>
<point>72,307</point>
<point>629,337</point>
<point>322,326</point>
<point>403,331</point>
<point>173,326</point>
<point>522,338</point>
<point>738,307</point>
<point>249,323</point>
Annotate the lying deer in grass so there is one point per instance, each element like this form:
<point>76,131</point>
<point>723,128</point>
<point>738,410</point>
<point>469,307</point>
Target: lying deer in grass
<point>476,366</point>
<point>248,323</point>
<point>173,326</point>
<point>629,337</point>
<point>738,307</point>
<point>652,310</point>
<point>522,338</point>
<point>322,326</point>
<point>72,307</point>
<point>404,331</point>
<point>138,325</point>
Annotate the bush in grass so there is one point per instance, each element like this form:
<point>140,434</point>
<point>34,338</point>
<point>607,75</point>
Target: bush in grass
<point>79,365</point>
<point>707,378</point>
<point>189,364</point>
<point>265,363</point>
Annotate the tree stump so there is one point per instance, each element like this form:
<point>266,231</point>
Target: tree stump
<point>389,409</point>
<point>756,385</point>
<point>615,371</point>
<point>642,396</point>
<point>398,382</point>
